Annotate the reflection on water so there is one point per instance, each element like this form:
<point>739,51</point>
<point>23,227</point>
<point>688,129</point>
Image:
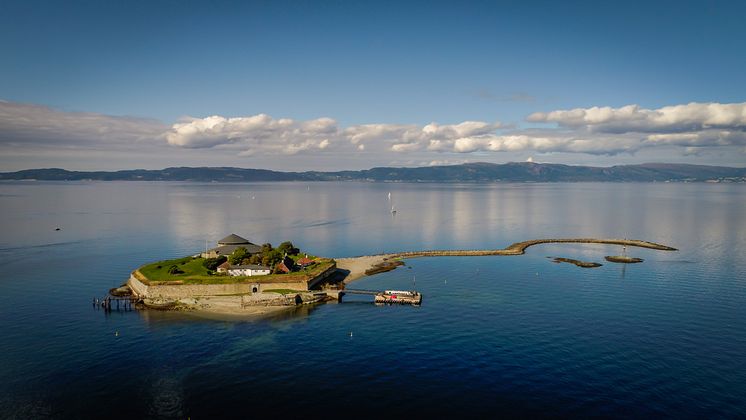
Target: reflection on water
<point>344,219</point>
<point>500,335</point>
<point>164,319</point>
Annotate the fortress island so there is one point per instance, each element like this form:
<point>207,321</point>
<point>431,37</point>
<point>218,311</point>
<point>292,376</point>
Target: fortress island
<point>240,277</point>
<point>236,276</point>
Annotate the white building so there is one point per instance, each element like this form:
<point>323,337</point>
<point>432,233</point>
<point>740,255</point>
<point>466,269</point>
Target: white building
<point>243,270</point>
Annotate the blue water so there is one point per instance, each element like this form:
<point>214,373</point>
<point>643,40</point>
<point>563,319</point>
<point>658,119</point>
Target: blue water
<point>495,336</point>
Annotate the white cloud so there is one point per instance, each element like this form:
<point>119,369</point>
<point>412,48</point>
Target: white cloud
<point>257,133</point>
<point>264,134</point>
<point>699,139</point>
<point>444,162</point>
<point>27,125</point>
<point>632,118</point>
<point>691,129</point>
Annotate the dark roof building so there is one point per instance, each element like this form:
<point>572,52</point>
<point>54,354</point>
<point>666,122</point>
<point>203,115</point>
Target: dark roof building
<point>233,239</point>
<point>230,243</point>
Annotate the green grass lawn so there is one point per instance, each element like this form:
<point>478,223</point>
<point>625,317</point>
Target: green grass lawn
<point>196,273</point>
<point>300,255</point>
<point>158,271</point>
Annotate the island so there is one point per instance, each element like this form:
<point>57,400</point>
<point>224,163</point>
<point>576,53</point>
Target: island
<point>240,277</point>
<point>236,276</point>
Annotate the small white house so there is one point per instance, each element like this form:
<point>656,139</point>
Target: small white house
<point>243,270</point>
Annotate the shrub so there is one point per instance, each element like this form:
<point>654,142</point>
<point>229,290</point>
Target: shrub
<point>174,269</point>
<point>211,264</point>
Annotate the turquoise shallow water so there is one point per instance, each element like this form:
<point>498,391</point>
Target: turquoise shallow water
<point>495,335</point>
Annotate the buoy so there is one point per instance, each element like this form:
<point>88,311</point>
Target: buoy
<point>350,333</point>
<point>116,333</point>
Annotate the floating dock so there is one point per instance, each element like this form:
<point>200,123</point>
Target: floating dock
<point>399,296</point>
<point>409,297</point>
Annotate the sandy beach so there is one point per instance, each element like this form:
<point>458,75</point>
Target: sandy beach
<point>357,265</point>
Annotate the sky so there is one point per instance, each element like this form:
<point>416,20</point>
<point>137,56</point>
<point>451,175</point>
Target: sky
<point>333,85</point>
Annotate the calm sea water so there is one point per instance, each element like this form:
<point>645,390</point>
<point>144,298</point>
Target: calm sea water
<point>495,335</point>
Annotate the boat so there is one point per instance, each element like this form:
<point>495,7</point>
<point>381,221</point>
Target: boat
<point>399,296</point>
<point>623,258</point>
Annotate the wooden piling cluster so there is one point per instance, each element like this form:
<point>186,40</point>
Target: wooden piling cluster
<point>109,303</point>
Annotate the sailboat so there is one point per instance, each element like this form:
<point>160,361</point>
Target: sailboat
<point>623,258</point>
<point>393,210</point>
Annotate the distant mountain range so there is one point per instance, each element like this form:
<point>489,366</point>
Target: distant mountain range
<point>468,172</point>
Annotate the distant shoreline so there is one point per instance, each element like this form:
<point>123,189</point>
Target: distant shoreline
<point>356,266</point>
<point>477,172</point>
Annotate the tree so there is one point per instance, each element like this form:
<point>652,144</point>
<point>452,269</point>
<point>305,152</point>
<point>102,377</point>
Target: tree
<point>255,259</point>
<point>266,248</point>
<point>288,248</point>
<point>271,258</point>
<point>238,255</point>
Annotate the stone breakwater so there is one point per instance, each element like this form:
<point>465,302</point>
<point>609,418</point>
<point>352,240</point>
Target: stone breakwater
<point>356,267</point>
<point>519,248</point>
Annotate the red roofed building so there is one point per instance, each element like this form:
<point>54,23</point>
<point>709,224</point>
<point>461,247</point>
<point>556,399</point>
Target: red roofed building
<point>304,262</point>
<point>286,265</point>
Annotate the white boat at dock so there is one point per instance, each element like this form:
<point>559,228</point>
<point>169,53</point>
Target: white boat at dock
<point>399,296</point>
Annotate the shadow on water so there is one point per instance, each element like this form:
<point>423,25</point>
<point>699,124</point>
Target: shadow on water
<point>158,318</point>
<point>318,223</point>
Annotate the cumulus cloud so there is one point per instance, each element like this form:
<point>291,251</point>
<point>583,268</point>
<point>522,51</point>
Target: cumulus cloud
<point>632,118</point>
<point>699,139</point>
<point>264,134</point>
<point>694,127</point>
<point>545,143</point>
<point>690,129</point>
<point>258,130</point>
